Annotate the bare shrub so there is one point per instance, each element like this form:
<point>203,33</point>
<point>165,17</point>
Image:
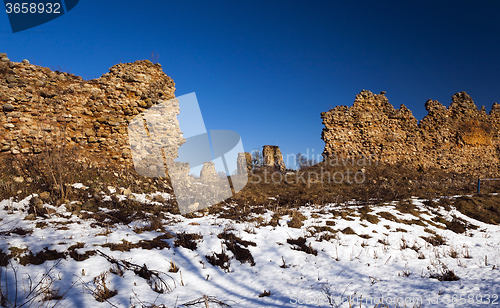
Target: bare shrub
<point>39,292</point>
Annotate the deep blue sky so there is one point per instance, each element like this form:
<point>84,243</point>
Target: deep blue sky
<point>267,69</point>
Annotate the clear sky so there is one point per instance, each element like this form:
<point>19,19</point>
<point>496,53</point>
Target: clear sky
<point>267,69</point>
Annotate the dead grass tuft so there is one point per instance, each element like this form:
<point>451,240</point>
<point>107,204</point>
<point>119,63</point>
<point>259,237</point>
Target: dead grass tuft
<point>348,230</point>
<point>158,242</point>
<point>238,247</point>
<point>79,257</point>
<point>300,244</point>
<point>435,240</point>
<point>443,273</point>
<point>40,257</point>
<point>265,293</point>
<point>101,291</point>
<point>219,259</point>
<point>187,240</point>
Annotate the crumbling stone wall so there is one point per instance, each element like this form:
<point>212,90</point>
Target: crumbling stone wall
<point>244,163</point>
<point>272,157</point>
<point>45,109</point>
<point>208,172</point>
<point>460,138</point>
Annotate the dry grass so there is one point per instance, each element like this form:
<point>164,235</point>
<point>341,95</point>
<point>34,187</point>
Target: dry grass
<point>382,183</point>
<point>219,259</point>
<point>265,293</point>
<point>435,240</point>
<point>187,240</point>
<point>53,170</point>
<point>158,242</point>
<point>297,220</point>
<point>443,273</point>
<point>300,244</point>
<point>39,291</point>
<point>238,247</point>
<point>154,223</point>
<point>485,208</point>
<point>348,230</point>
<point>101,291</point>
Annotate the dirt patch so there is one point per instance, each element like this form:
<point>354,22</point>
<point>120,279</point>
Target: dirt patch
<point>370,218</point>
<point>407,207</point>
<point>388,216</point>
<point>330,223</point>
<point>365,210</point>
<point>459,225</point>
<point>319,229</point>
<point>297,220</point>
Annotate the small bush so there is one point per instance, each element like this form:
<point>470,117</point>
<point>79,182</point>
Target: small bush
<point>102,292</point>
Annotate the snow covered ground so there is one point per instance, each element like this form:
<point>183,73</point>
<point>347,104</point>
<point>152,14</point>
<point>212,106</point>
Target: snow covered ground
<point>385,262</point>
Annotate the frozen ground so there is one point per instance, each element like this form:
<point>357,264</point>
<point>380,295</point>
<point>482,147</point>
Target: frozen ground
<point>383,262</point>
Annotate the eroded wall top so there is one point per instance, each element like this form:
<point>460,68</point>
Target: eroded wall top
<point>460,138</point>
<point>45,109</point>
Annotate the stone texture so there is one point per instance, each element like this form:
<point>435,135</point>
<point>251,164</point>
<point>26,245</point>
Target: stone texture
<point>208,172</point>
<point>7,108</point>
<point>460,138</point>
<point>243,163</point>
<point>272,157</point>
<point>59,110</point>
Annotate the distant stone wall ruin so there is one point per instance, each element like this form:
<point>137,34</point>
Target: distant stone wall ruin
<point>272,157</point>
<point>460,138</point>
<point>244,163</point>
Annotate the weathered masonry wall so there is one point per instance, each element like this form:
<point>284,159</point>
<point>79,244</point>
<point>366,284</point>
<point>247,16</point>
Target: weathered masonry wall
<point>461,138</point>
<point>44,109</point>
<point>272,157</point>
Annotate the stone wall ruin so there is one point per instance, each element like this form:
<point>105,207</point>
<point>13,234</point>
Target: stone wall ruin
<point>41,109</point>
<point>460,138</point>
<point>244,163</point>
<point>272,157</point>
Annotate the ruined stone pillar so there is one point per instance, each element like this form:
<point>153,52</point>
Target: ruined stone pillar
<point>272,157</point>
<point>208,172</point>
<point>244,162</point>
